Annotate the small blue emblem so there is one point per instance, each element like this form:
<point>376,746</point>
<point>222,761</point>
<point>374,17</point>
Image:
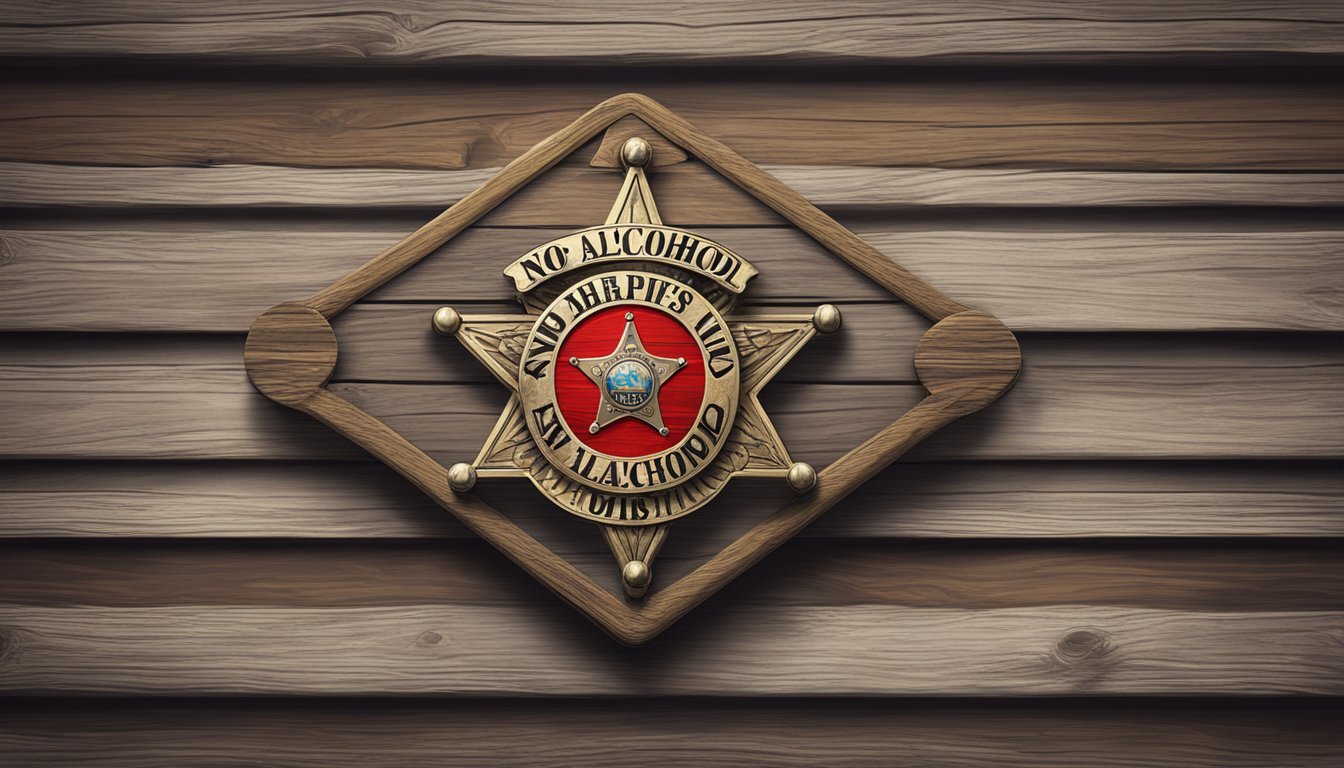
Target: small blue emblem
<point>629,384</point>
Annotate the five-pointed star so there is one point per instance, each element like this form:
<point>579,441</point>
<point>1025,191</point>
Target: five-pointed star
<point>629,379</point>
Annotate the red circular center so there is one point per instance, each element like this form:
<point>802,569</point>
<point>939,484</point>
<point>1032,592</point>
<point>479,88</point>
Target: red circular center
<point>679,397</point>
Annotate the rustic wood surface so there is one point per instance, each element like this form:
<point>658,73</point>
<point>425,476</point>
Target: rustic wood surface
<point>743,650</point>
<point>1234,397</point>
<point>1147,194</point>
<point>1099,277</point>
<point>322,500</point>
<point>845,189</point>
<point>603,31</point>
<point>1180,733</point>
<point>974,119</point>
<point>1175,575</point>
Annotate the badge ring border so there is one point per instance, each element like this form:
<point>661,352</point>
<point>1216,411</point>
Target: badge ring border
<point>965,361</point>
<point>528,387</point>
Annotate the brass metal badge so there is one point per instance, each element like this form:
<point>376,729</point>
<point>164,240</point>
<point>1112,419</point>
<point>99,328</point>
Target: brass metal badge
<point>634,386</point>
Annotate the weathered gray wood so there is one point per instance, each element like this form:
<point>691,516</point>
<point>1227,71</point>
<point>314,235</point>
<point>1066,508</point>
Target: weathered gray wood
<point>1105,734</point>
<point>855,31</point>
<point>1174,122</point>
<point>749,651</point>
<point>166,400</point>
<point>839,189</point>
<point>1080,396</point>
<point>868,190</point>
<point>962,500</point>
<point>1050,281</point>
<point>704,733</point>
<point>1262,576</point>
<point>207,277</point>
<point>961,625</point>
<point>200,405</point>
<point>394,342</point>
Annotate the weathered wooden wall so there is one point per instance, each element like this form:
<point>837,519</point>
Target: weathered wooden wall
<point>1131,559</point>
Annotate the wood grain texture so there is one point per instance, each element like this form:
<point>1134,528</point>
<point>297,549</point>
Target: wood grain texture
<point>224,171</point>
<point>969,353</point>
<point>561,576</point>
<point>844,189</point>
<point>491,651</point>
<point>979,120</point>
<point>988,361</point>
<point>1080,396</point>
<point>203,277</point>
<point>515,176</point>
<point>322,500</point>
<point>1186,733</point>
<point>1131,282</point>
<point>290,350</point>
<point>1177,575</point>
<point>853,250</point>
<point>854,31</point>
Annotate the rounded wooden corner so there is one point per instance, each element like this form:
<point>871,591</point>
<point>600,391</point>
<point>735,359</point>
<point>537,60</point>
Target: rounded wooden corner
<point>290,352</point>
<point>634,636</point>
<point>970,354</point>
<point>630,102</point>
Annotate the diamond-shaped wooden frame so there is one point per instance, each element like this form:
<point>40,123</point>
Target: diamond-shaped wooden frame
<point>965,361</point>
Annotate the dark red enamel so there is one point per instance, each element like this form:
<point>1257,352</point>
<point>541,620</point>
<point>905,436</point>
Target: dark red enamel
<point>680,397</point>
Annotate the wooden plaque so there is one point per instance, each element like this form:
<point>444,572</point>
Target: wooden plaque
<point>966,360</point>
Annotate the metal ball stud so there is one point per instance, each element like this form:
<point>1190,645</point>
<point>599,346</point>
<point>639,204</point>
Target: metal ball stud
<point>827,318</point>
<point>461,477</point>
<point>802,477</point>
<point>447,321</point>
<point>635,576</point>
<point>636,152</point>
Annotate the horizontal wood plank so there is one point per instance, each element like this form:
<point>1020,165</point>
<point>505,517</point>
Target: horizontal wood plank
<point>838,189</point>
<point>1233,397</point>
<point>1071,402</point>
<point>929,500</point>
<point>704,733</point>
<point>394,342</point>
<point>793,32</point>
<point>1182,575</point>
<point>745,651</point>
<point>1172,122</point>
<point>192,277</point>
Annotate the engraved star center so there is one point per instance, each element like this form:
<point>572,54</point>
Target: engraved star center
<point>629,379</point>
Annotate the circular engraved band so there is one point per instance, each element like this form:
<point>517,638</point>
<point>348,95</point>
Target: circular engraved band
<point>557,440</point>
